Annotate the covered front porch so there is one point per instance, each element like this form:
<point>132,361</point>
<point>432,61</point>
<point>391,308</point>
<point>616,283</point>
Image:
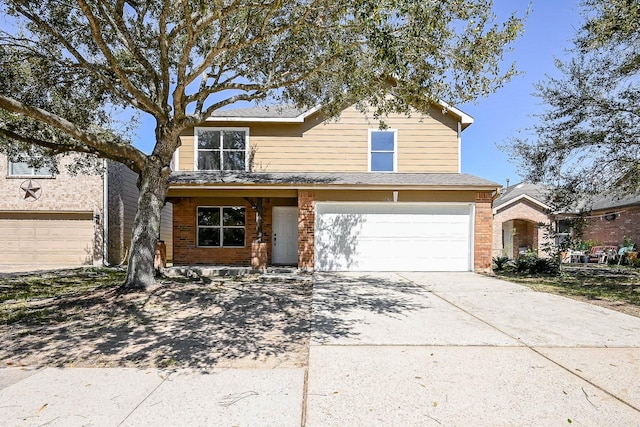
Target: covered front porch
<point>242,228</point>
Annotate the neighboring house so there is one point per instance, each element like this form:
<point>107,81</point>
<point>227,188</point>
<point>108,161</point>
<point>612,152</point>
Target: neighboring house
<point>49,221</point>
<point>612,219</point>
<point>277,186</point>
<point>519,216</point>
<point>520,211</point>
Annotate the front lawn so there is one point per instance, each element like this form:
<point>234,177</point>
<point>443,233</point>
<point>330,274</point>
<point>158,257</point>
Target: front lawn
<point>78,318</point>
<point>613,287</point>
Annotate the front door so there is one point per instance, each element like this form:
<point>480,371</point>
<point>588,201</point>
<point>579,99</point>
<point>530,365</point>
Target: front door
<point>285,235</point>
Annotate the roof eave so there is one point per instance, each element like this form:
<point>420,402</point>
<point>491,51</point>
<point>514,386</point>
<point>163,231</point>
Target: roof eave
<point>323,186</point>
<point>297,119</point>
<point>517,199</point>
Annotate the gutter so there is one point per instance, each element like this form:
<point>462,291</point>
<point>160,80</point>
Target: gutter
<point>461,187</point>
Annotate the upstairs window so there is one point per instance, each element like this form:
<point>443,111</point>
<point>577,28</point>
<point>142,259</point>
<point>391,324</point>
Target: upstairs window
<point>221,149</point>
<point>383,150</point>
<point>20,169</point>
<point>221,226</point>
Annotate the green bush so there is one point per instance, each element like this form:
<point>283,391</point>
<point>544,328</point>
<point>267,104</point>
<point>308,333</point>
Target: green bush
<point>500,263</point>
<point>531,263</point>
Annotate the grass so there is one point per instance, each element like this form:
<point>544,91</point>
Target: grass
<point>590,283</point>
<point>19,291</point>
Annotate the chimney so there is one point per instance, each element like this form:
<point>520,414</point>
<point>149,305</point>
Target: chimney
<point>508,180</point>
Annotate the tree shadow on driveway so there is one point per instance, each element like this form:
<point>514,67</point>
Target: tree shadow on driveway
<point>341,301</point>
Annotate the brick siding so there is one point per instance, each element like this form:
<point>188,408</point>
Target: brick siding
<point>483,232</point>
<point>526,216</point>
<point>185,249</point>
<point>612,232</point>
<point>62,193</point>
<point>306,229</point>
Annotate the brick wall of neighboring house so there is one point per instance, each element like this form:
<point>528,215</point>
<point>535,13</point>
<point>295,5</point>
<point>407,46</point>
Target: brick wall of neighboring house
<point>525,216</point>
<point>306,227</point>
<point>483,232</point>
<point>626,223</point>
<point>526,235</point>
<point>64,192</point>
<point>185,249</point>
<point>59,194</point>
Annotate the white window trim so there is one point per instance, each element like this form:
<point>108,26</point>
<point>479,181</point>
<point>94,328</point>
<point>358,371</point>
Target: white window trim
<point>205,128</point>
<point>31,175</point>
<point>395,150</point>
<point>221,207</point>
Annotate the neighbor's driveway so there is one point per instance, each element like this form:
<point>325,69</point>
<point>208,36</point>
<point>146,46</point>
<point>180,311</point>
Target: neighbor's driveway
<point>463,349</point>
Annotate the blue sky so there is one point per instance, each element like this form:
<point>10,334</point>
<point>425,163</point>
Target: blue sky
<point>548,31</point>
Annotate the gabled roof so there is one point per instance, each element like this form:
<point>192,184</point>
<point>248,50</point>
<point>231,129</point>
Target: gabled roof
<point>535,193</point>
<point>283,113</point>
<point>423,181</point>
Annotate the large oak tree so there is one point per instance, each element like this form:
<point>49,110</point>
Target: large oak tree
<point>65,67</point>
<point>587,141</point>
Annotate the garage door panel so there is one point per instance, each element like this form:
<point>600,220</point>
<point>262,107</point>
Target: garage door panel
<point>392,237</point>
<point>52,239</point>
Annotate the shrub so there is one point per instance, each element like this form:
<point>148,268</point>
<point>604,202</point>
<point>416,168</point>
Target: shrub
<point>531,263</point>
<point>500,263</point>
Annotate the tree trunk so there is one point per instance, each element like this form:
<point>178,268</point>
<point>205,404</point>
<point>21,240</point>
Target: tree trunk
<point>153,184</point>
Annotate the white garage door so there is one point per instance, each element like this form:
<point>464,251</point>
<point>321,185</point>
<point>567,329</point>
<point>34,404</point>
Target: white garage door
<point>393,237</point>
<point>46,240</point>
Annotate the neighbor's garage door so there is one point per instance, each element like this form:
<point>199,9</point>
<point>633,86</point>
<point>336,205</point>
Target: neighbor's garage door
<point>46,239</point>
<point>393,237</point>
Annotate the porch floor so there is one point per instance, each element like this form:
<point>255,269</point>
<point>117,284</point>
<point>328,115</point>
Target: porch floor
<point>225,270</point>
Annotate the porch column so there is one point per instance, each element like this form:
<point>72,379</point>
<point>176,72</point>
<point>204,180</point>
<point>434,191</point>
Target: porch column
<point>483,232</point>
<point>306,225</point>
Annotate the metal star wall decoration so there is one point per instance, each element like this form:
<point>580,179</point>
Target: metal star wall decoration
<point>31,190</point>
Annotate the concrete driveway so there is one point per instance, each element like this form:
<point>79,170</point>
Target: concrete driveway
<point>420,349</point>
<point>396,349</point>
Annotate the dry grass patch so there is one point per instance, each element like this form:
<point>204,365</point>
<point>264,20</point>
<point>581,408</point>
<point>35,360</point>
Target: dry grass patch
<point>77,318</point>
<point>613,287</point>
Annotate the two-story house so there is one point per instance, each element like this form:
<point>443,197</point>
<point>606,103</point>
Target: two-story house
<point>278,186</point>
<point>53,220</point>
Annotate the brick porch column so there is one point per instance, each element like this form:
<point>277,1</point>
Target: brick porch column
<point>306,225</point>
<point>483,232</point>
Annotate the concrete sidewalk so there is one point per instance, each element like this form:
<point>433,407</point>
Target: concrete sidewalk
<point>410,349</point>
<point>134,397</point>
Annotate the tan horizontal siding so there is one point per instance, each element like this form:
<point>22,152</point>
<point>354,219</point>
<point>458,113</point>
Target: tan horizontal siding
<point>425,144</point>
<point>387,196</point>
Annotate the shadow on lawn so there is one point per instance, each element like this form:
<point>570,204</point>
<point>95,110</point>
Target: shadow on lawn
<point>250,321</point>
<point>339,302</point>
<point>247,321</point>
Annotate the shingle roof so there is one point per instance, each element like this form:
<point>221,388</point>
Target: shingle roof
<point>537,192</point>
<point>329,178</point>
<point>611,201</point>
<point>271,112</point>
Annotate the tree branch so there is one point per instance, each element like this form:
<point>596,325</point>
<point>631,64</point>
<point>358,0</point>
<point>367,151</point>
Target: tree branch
<point>97,32</point>
<point>112,148</point>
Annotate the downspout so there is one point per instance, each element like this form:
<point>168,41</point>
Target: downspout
<point>459,147</point>
<point>105,214</point>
